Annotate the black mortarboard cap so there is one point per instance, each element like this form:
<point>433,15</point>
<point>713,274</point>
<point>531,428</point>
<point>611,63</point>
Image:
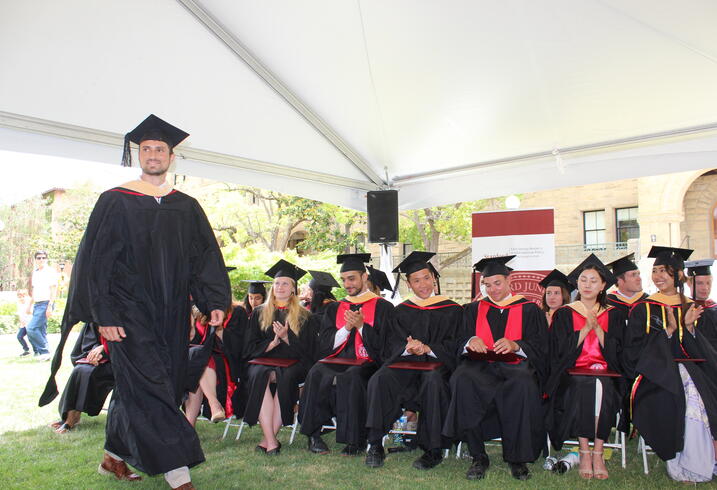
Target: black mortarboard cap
<point>353,262</point>
<point>230,268</point>
<point>322,280</point>
<point>256,287</point>
<point>623,265</point>
<point>378,278</point>
<point>284,268</point>
<point>556,278</point>
<point>491,266</point>
<point>415,261</point>
<point>592,260</point>
<point>152,128</point>
<point>699,267</point>
<point>672,256</point>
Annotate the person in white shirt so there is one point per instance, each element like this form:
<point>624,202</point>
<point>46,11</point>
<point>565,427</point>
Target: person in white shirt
<point>43,287</point>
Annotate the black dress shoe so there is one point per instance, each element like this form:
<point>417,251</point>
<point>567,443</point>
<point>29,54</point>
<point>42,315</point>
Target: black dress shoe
<point>478,467</point>
<point>317,445</point>
<point>430,459</point>
<point>375,456</point>
<point>353,450</point>
<point>519,471</point>
<point>275,451</point>
<point>260,449</point>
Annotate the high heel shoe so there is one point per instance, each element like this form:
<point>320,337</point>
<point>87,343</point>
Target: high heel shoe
<point>275,451</point>
<point>584,473</point>
<point>219,416</point>
<point>600,474</point>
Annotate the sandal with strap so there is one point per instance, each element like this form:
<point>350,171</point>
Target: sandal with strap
<point>56,425</point>
<point>600,474</point>
<point>586,474</point>
<point>64,428</point>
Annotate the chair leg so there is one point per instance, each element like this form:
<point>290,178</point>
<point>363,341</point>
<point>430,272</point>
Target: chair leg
<point>458,449</point>
<point>293,428</point>
<point>644,455</point>
<point>623,449</point>
<point>241,428</point>
<point>227,424</point>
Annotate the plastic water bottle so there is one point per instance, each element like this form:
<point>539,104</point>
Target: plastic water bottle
<point>549,463</point>
<point>398,438</point>
<point>567,462</point>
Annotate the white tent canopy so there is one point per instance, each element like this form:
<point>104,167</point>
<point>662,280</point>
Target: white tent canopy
<point>445,101</point>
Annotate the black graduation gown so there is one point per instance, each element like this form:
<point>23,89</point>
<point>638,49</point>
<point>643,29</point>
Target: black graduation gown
<point>625,305</point>
<point>233,339</point>
<point>136,267</point>
<point>707,324</point>
<point>389,390</point>
<point>301,347</point>
<point>657,396</point>
<point>497,399</point>
<point>322,399</point>
<point>88,385</point>
<point>572,398</point>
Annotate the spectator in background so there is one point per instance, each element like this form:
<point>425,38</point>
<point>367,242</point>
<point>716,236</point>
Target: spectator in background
<point>23,307</point>
<point>43,285</point>
<point>89,383</point>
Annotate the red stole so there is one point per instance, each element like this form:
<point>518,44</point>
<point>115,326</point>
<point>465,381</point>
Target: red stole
<point>231,385</point>
<point>513,326</point>
<point>368,309</point>
<point>591,353</point>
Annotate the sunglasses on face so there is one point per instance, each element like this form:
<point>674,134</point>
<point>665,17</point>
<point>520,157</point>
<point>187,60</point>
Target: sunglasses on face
<point>40,258</point>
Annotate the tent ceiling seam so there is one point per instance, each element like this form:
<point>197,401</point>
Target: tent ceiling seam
<point>599,146</point>
<point>23,123</point>
<point>206,19</point>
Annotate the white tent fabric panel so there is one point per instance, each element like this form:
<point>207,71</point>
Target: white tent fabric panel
<point>445,101</point>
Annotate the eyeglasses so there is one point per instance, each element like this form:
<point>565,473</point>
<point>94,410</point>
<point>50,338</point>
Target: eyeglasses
<point>40,258</point>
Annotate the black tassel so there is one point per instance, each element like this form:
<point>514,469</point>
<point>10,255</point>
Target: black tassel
<point>395,288</point>
<point>126,153</point>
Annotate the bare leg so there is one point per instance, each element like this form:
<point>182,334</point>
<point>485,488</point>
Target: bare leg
<point>266,418</point>
<point>72,419</point>
<point>585,469</point>
<point>598,462</point>
<point>208,383</point>
<point>192,406</point>
<point>276,423</point>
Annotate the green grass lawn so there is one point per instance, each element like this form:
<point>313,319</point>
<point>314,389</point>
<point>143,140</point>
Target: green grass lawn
<point>34,457</point>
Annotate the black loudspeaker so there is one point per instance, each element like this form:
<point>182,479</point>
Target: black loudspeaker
<point>382,207</point>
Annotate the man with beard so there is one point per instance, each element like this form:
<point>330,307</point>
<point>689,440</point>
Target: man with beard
<point>351,342</point>
<point>146,249</point>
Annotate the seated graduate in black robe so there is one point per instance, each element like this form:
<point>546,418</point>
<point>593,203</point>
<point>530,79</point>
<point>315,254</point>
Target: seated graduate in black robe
<point>213,387</point>
<point>496,389</point>
<point>699,279</point>
<point>674,406</point>
<point>89,383</point>
<point>424,330</point>
<point>628,293</point>
<point>280,331</point>
<point>351,338</point>
<point>147,249</point>
<point>556,293</point>
<point>321,296</point>
<point>586,337</point>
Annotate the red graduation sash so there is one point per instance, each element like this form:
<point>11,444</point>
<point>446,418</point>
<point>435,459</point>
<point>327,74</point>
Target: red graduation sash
<point>591,353</point>
<point>513,327</point>
<point>368,309</point>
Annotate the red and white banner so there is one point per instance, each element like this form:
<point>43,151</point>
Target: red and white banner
<point>527,233</point>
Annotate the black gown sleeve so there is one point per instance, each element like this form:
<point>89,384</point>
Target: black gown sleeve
<point>233,339</point>
<point>376,336</point>
<point>327,331</point>
<point>209,283</point>
<point>302,346</point>
<point>534,340</point>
